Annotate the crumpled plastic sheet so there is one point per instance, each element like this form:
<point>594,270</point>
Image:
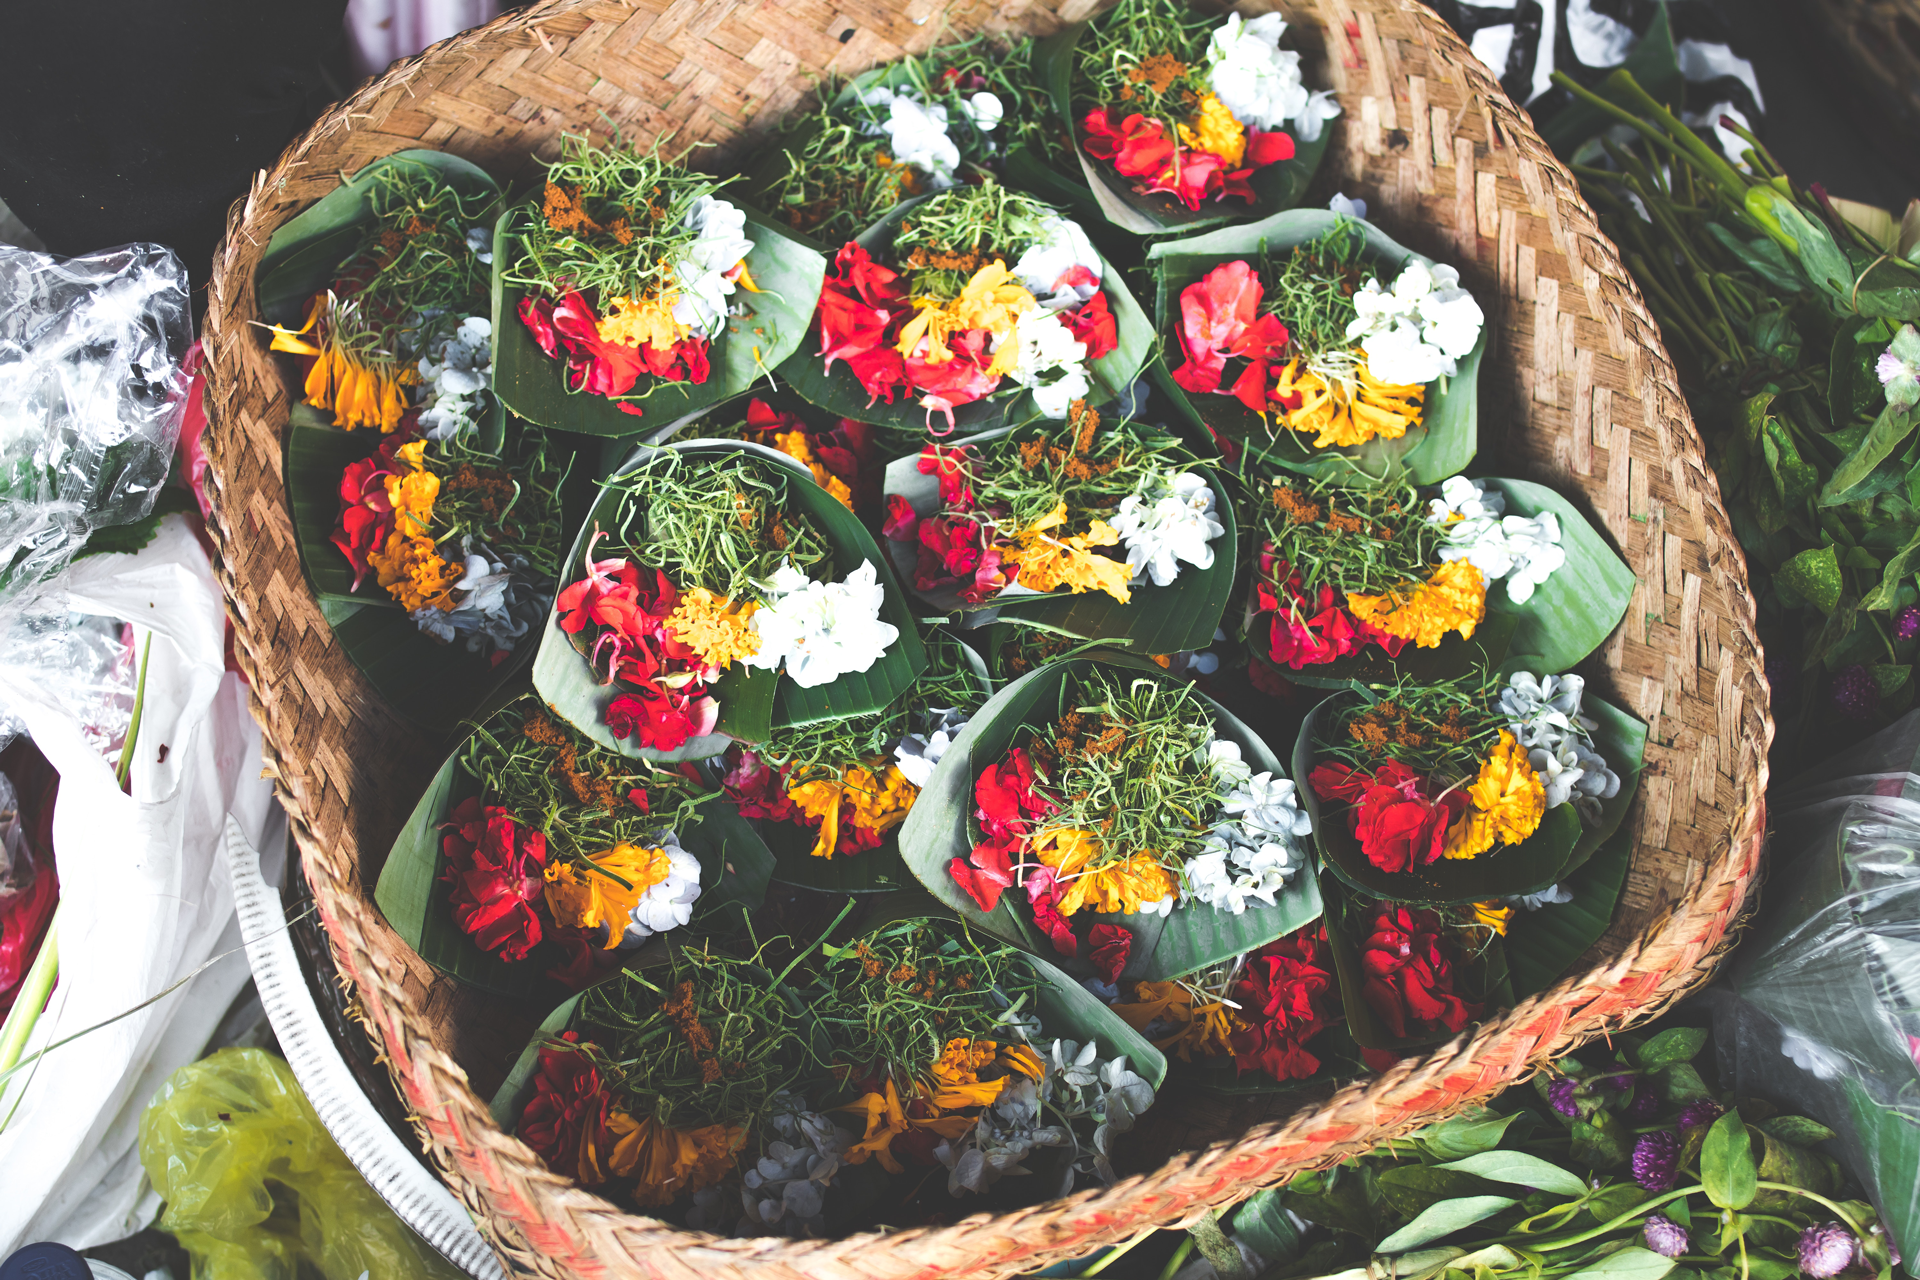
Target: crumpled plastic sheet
<point>92,391</point>
<point>255,1187</point>
<point>1819,1009</point>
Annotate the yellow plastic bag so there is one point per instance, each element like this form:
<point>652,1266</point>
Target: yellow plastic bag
<point>255,1187</point>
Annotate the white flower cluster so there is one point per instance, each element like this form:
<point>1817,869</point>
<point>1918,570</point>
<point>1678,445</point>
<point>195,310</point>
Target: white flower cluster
<point>1523,550</point>
<point>784,1192</point>
<point>497,601</point>
<point>917,131</point>
<point>1169,519</point>
<point>720,244</point>
<point>821,630</point>
<point>669,904</point>
<point>459,377</point>
<point>921,749</point>
<point>1057,248</point>
<point>480,243</point>
<point>1251,852</point>
<point>1259,82</point>
<point>1551,896</point>
<point>1052,363</point>
<point>1077,1085</point>
<point>1544,716</point>
<point>1418,330</point>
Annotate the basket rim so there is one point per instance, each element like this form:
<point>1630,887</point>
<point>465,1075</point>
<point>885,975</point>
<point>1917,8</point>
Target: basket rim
<point>543,1220</point>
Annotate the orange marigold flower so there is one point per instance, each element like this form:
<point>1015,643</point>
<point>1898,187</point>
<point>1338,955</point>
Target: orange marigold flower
<point>794,444</point>
<point>1342,413</point>
<point>670,1163</point>
<point>414,573</point>
<point>887,1120</point>
<point>1508,802</point>
<point>1491,915</point>
<point>1202,1026</point>
<point>1126,884</point>
<point>869,801</point>
<point>1047,562</point>
<point>714,627</point>
<point>586,900</point>
<point>1215,130</point>
<point>1454,598</point>
<point>956,1075</point>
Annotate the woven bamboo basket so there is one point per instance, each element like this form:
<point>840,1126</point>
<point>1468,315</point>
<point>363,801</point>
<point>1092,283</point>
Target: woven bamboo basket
<point>1578,392</point>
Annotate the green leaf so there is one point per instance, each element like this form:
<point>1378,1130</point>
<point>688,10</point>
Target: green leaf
<point>1630,1263</point>
<point>1527,867</point>
<point>1653,62</point>
<point>1179,616</point>
<point>516,1091</point>
<point>1676,1044</point>
<point>1411,1189</point>
<point>1814,576</point>
<point>1342,1207</point>
<point>1521,1169</point>
<point>1621,740</point>
<point>1610,1202</point>
<point>747,696</point>
<point>1601,1141</point>
<point>1901,565</point>
<point>1465,1135</point>
<point>1681,1083</point>
<point>304,255</point>
<point>1441,446</point>
<point>1261,1223</point>
<point>125,539</point>
<point>1059,185</point>
<point>1275,186</point>
<point>1888,432</point>
<point>839,392</point>
<point>734,867</point>
<point>789,274</point>
<point>1572,613</point>
<point>1726,1164</point>
<point>1189,938</point>
<point>1799,1130</point>
<point>1763,257</point>
<point>1443,1219</point>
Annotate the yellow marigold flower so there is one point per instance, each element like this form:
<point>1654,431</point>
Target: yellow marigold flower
<point>1454,598</point>
<point>992,300</point>
<point>887,1120</point>
<point>1125,884</point>
<point>880,802</point>
<point>359,395</point>
<point>1342,415</point>
<point>669,1163</point>
<point>649,322</point>
<point>1047,562</point>
<point>586,900</point>
<point>1215,130</point>
<point>414,573</point>
<point>1205,1028</point>
<point>714,627</point>
<point>413,493</point>
<point>794,444</point>
<point>1508,802</point>
<point>1492,915</point>
<point>956,1075</point>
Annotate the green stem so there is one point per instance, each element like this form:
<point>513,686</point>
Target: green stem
<point>125,768</point>
<point>1817,1199</point>
<point>1732,185</point>
<point>1179,1258</point>
<point>34,990</point>
<point>1638,1211</point>
<point>1705,281</point>
<point>1116,1253</point>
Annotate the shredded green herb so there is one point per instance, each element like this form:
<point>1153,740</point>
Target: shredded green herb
<point>506,501</point>
<point>1146,56</point>
<point>943,242</point>
<point>1441,730</point>
<point>1362,539</point>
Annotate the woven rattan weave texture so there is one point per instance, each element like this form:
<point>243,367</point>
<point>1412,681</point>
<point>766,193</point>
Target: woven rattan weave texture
<point>1579,392</point>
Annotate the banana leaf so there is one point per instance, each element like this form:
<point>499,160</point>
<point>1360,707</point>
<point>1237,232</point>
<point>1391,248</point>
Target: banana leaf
<point>1527,867</point>
<point>305,254</point>
<point>734,868</point>
<point>1448,434</point>
<point>876,870</point>
<point>1572,613</point>
<point>1190,938</point>
<point>752,701</point>
<point>1622,741</point>
<point>1068,1011</point>
<point>1479,979</point>
<point>788,273</point>
<point>1276,187</point>
<point>1181,615</point>
<point>839,392</point>
<point>1542,945</point>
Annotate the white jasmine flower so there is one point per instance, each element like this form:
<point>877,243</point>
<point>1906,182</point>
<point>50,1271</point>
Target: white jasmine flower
<point>480,243</point>
<point>1259,82</point>
<point>986,111</point>
<point>916,134</point>
<point>1543,714</point>
<point>669,904</point>
<point>821,630</point>
<point>1468,499</point>
<point>918,752</point>
<point>1346,206</point>
<point>458,374</point>
<point>1223,755</point>
<point>1551,896</point>
<point>1058,247</point>
<point>1161,907</point>
<point>1397,355</point>
<point>1266,805</point>
<point>1418,330</point>
<point>1558,769</point>
<point>1168,520</point>
<point>1523,550</point>
<point>720,244</point>
<point>1052,363</point>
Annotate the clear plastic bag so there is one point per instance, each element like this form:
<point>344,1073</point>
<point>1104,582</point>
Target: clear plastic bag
<point>255,1186</point>
<point>1819,1008</point>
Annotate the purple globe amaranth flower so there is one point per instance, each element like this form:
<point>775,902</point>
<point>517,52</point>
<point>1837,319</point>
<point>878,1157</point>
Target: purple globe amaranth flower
<point>1855,692</point>
<point>1645,1103</point>
<point>1622,1083</point>
<point>1656,1160</point>
<point>1906,623</point>
<point>1696,1114</point>
<point>1560,1097</point>
<point>1827,1250</point>
<point>1665,1236</point>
